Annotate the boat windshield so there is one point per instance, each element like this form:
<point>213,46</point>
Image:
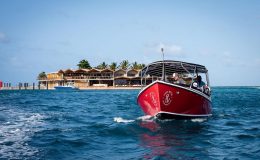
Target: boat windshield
<point>176,72</point>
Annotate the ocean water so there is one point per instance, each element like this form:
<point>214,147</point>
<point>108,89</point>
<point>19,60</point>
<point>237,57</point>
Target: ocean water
<point>108,124</point>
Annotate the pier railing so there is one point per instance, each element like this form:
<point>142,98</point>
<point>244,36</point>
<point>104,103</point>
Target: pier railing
<point>87,77</point>
<point>77,77</point>
<point>23,86</point>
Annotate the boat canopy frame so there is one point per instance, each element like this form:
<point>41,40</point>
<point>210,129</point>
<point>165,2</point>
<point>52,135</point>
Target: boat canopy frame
<point>168,67</point>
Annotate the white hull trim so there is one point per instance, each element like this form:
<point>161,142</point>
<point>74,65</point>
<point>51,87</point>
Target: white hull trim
<point>186,115</point>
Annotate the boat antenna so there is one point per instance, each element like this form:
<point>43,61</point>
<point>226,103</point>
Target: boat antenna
<point>163,68</point>
<point>162,54</point>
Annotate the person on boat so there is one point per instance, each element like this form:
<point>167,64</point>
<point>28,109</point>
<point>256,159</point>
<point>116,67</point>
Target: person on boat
<point>177,79</point>
<point>203,86</point>
<point>200,82</point>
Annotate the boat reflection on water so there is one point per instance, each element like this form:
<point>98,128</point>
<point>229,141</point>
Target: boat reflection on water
<point>172,139</point>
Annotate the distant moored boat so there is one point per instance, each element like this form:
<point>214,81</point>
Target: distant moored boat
<point>69,86</point>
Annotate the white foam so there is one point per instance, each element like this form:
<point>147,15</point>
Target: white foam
<point>145,118</point>
<point>198,120</point>
<point>221,115</point>
<point>121,120</point>
<point>16,131</point>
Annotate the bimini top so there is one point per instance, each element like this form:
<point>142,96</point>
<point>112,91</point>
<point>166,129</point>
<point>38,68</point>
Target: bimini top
<point>170,67</point>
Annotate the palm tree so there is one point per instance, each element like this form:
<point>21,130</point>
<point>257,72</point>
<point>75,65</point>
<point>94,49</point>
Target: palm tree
<point>113,66</point>
<point>141,66</point>
<point>135,65</point>
<point>83,64</point>
<point>124,64</point>
<point>103,65</point>
<point>42,75</point>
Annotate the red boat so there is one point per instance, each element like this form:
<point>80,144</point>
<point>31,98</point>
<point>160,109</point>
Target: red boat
<point>175,89</point>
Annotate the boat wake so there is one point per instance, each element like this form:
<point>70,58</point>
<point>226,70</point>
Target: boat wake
<point>121,120</point>
<point>16,130</point>
<point>142,118</point>
<point>148,118</point>
<point>200,120</point>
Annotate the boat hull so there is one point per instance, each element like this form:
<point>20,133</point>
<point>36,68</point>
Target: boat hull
<point>166,101</point>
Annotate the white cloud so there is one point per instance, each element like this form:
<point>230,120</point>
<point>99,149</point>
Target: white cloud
<point>169,49</point>
<point>3,38</point>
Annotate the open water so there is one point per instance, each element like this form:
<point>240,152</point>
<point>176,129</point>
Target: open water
<point>109,124</point>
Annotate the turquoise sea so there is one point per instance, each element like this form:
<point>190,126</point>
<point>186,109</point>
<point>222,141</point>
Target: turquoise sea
<point>108,124</point>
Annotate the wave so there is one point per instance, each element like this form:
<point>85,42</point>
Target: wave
<point>245,136</point>
<point>16,132</point>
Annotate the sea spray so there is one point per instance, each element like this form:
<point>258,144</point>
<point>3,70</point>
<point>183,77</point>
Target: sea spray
<point>142,118</point>
<point>145,118</point>
<point>121,120</point>
<point>199,120</point>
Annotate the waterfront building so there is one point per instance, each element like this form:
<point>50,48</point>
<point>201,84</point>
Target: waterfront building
<point>87,78</point>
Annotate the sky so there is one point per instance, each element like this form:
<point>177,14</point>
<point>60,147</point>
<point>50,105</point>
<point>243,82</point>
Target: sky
<point>49,35</point>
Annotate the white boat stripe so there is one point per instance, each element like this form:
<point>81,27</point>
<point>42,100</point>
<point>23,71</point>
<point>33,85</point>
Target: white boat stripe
<point>191,115</point>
